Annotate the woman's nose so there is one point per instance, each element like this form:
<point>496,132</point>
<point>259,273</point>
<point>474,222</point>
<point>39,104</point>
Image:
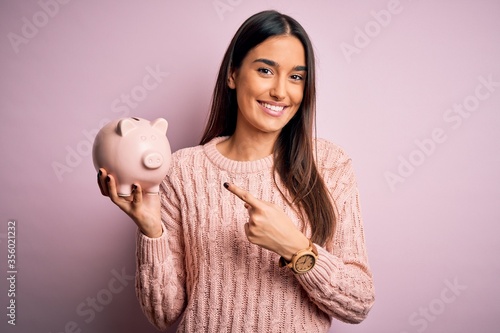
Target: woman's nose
<point>278,91</point>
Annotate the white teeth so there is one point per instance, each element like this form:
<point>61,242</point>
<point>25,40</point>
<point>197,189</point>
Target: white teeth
<point>273,107</point>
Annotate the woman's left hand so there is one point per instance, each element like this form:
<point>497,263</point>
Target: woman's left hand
<point>268,226</point>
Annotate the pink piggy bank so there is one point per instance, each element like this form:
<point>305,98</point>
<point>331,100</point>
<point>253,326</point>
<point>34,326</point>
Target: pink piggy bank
<point>133,150</point>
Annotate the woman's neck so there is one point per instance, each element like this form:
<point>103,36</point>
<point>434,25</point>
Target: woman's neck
<point>247,148</point>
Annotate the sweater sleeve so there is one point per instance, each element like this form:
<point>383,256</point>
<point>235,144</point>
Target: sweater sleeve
<point>341,282</point>
<point>160,273</point>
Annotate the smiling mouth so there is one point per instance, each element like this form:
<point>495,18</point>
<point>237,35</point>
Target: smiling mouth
<point>275,108</point>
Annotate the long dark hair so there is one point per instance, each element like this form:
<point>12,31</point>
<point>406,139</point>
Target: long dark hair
<point>293,150</point>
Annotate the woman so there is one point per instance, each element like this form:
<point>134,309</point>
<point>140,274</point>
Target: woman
<point>282,249</point>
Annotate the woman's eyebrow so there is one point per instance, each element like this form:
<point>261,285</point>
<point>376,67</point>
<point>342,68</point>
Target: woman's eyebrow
<point>300,68</point>
<point>268,62</point>
<point>273,63</point>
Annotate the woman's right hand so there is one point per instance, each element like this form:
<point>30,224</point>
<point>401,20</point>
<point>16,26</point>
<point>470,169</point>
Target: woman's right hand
<point>143,208</point>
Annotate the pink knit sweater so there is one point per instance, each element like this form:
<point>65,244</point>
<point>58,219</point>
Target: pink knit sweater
<point>204,268</point>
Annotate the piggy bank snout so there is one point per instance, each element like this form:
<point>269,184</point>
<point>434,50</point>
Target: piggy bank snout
<point>152,160</point>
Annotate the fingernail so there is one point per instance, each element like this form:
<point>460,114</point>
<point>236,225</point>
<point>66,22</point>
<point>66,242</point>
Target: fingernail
<point>226,184</point>
<point>108,179</point>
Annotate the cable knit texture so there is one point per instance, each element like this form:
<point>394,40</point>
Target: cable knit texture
<point>204,269</point>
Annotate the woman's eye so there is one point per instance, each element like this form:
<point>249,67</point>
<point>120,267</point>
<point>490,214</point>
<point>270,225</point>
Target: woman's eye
<point>266,71</point>
<point>297,77</point>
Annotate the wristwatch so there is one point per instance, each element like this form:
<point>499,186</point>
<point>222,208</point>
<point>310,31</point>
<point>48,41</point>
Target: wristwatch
<point>302,261</point>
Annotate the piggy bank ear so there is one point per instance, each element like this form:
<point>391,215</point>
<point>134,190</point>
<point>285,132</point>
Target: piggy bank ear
<point>160,124</point>
<point>125,126</point>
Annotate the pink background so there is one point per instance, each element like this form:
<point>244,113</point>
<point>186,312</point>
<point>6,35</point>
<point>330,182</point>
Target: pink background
<point>432,232</point>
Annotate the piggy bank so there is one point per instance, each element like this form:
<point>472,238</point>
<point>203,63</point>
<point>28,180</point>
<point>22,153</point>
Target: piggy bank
<point>133,150</point>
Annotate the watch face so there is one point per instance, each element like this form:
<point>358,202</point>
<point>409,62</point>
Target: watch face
<point>305,263</point>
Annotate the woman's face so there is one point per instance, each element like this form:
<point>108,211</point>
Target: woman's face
<point>269,85</point>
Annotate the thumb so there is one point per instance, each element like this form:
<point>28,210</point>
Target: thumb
<point>136,194</point>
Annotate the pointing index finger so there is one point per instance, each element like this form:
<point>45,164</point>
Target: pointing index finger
<point>242,194</point>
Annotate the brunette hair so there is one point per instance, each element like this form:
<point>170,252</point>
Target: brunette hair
<point>293,150</point>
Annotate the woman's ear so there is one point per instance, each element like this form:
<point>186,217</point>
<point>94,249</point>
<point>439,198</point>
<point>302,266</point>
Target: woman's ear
<point>231,79</point>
